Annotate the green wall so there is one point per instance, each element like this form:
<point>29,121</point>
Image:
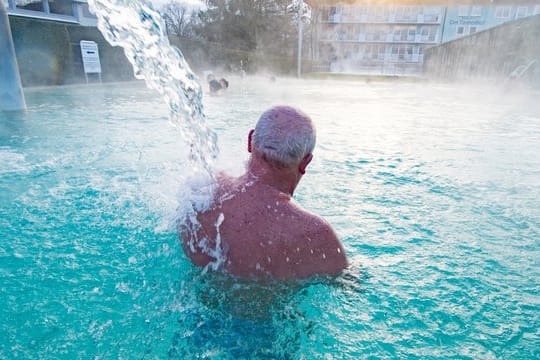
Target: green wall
<point>48,53</point>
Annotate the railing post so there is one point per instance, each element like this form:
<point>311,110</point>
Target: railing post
<point>11,94</point>
<point>300,13</point>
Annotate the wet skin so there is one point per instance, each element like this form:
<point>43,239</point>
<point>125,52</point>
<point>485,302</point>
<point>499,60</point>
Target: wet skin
<point>264,233</point>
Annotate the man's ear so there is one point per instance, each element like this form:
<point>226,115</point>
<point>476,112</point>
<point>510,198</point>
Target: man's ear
<point>250,139</point>
<point>304,163</point>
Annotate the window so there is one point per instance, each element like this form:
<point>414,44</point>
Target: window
<point>460,30</point>
<point>367,51</point>
<point>404,34</point>
<point>432,34</point>
<point>86,12</point>
<point>476,11</point>
<point>502,12</point>
<point>382,52</point>
<point>431,14</point>
<point>521,12</point>
<point>412,34</point>
<point>424,33</point>
<point>400,13</point>
<point>401,53</point>
<point>36,5</point>
<point>380,13</point>
<point>395,50</point>
<point>397,33</point>
<point>335,15</point>
<point>410,13</point>
<point>537,10</point>
<point>472,30</point>
<point>463,10</point>
<point>64,7</point>
<point>431,18</point>
<point>362,10</point>
<point>409,52</point>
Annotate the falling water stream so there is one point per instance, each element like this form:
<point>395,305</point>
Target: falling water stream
<point>139,29</point>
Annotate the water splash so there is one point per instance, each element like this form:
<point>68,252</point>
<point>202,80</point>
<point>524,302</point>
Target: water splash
<point>139,29</point>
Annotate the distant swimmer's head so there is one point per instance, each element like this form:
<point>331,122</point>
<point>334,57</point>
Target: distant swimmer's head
<point>284,136</point>
<point>224,83</point>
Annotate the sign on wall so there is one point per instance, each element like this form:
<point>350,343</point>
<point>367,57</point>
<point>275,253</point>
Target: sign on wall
<point>90,57</point>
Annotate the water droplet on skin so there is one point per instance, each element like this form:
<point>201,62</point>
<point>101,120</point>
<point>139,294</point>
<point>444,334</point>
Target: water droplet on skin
<point>287,259</point>
<point>311,250</point>
<point>268,206</point>
<point>339,250</point>
<point>297,249</point>
<point>324,256</point>
<point>269,259</point>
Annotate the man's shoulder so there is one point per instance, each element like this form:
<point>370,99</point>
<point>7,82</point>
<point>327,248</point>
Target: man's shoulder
<point>312,221</point>
<point>322,229</point>
<point>319,249</point>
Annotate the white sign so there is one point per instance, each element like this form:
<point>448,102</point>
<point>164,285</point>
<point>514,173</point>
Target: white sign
<point>90,57</point>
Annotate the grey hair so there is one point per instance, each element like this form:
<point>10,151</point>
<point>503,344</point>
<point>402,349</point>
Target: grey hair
<point>284,136</point>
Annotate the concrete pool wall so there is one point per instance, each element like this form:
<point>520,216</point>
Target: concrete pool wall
<point>49,53</point>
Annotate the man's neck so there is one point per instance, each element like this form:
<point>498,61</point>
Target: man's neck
<point>285,180</point>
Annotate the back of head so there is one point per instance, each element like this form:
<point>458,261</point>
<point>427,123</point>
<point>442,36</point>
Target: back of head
<point>284,136</point>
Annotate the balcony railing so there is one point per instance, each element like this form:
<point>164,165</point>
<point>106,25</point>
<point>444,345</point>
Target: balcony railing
<point>391,18</point>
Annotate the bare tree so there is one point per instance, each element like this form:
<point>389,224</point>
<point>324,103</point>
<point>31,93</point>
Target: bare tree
<point>178,19</point>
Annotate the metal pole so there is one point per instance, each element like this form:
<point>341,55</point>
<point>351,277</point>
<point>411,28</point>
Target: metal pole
<point>299,64</point>
<point>11,94</point>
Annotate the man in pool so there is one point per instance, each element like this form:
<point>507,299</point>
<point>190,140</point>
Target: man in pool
<point>254,228</point>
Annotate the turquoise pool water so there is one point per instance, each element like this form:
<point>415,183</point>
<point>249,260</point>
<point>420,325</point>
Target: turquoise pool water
<point>433,188</point>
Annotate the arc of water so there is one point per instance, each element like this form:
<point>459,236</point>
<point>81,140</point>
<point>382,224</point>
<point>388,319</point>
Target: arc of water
<point>139,29</point>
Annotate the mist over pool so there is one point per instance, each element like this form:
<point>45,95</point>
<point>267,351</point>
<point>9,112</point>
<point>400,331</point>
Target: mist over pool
<point>433,189</point>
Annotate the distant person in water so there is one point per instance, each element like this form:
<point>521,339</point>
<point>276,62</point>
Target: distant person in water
<point>215,86</point>
<point>254,223</point>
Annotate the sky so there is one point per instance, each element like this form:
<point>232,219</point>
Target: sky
<point>195,4</point>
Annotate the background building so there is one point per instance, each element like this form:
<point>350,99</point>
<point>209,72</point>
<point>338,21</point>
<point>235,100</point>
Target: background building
<point>504,52</point>
<point>462,20</point>
<point>370,37</point>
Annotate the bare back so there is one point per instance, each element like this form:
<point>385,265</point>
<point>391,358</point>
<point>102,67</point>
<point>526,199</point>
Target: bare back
<point>264,233</point>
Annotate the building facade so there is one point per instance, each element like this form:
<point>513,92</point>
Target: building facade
<point>463,20</point>
<point>504,53</point>
<point>387,39</point>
